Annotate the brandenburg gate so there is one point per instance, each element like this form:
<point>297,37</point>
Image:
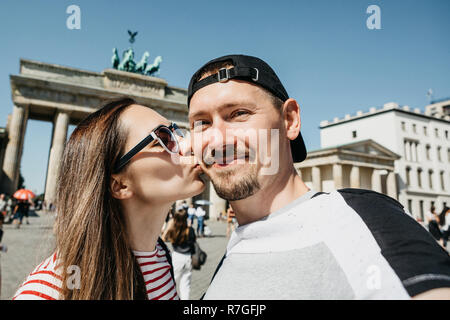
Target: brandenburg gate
<point>64,96</point>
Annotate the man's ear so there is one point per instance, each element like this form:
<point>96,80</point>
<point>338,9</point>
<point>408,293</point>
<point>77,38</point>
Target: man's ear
<point>120,189</point>
<point>291,118</point>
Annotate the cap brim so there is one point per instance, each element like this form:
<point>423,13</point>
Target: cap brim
<point>298,149</point>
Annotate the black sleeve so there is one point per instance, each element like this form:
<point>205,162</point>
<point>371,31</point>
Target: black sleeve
<point>415,256</point>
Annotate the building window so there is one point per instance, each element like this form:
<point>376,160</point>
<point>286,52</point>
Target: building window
<point>441,175</point>
<point>406,149</point>
<point>414,128</point>
<point>419,177</point>
<point>436,132</point>
<point>410,206</point>
<point>354,134</point>
<point>438,152</point>
<point>408,176</point>
<point>448,154</point>
<point>403,126</point>
<point>421,210</point>
<point>430,178</point>
<point>425,131</point>
<point>427,149</point>
<point>446,134</point>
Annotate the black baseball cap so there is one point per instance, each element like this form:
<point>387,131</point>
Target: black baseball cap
<point>253,70</point>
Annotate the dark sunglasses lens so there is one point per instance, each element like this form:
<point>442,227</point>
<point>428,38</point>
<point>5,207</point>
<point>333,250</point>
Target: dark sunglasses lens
<point>168,139</point>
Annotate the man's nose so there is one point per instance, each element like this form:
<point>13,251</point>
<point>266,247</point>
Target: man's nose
<point>218,135</point>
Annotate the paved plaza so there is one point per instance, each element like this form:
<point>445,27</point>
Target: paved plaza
<point>32,243</point>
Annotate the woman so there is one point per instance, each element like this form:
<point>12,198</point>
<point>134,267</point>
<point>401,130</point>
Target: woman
<point>117,181</point>
<point>183,239</point>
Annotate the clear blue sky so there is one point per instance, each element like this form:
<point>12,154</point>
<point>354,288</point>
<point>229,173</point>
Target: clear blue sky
<point>322,50</point>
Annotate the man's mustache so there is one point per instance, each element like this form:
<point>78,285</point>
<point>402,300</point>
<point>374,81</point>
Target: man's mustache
<point>227,154</point>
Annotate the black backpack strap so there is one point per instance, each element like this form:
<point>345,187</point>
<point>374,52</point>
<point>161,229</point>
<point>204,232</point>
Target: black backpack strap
<point>215,272</point>
<point>168,256</point>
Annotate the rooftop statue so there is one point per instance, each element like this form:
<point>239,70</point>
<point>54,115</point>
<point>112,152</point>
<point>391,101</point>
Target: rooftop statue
<point>128,64</point>
<point>153,69</point>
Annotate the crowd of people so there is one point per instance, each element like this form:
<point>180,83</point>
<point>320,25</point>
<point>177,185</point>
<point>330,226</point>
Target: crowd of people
<point>439,224</point>
<point>180,232</point>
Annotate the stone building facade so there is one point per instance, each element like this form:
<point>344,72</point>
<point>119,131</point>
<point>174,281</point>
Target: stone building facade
<point>421,139</point>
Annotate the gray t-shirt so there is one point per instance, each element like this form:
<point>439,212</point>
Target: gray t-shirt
<point>332,246</point>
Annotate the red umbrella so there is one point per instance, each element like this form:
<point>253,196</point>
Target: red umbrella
<point>24,194</point>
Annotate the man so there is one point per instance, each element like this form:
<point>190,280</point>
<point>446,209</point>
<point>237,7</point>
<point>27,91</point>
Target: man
<point>191,215</point>
<point>291,242</point>
<point>200,215</point>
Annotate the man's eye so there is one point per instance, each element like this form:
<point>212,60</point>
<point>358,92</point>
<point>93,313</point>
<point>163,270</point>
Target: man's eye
<point>239,113</point>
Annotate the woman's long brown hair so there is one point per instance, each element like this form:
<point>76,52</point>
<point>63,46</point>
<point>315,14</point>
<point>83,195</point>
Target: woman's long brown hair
<point>90,226</point>
<point>178,231</point>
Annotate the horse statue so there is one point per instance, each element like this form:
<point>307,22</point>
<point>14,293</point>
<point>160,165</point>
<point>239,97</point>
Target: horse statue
<point>127,63</point>
<point>152,69</point>
<point>115,59</point>
<point>140,67</point>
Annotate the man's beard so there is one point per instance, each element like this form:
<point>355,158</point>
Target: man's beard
<point>232,185</point>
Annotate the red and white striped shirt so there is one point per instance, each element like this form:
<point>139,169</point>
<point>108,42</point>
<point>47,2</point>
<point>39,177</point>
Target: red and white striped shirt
<point>45,282</point>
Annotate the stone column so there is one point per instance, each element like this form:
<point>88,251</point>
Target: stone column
<point>61,124</point>
<point>13,152</point>
<point>391,185</point>
<point>316,179</point>
<point>376,181</point>
<point>218,204</point>
<point>355,181</point>
<point>337,176</point>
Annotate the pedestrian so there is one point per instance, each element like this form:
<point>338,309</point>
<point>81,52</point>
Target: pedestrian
<point>444,225</point>
<point>182,237</point>
<point>3,248</point>
<point>9,211</point>
<point>231,221</point>
<point>432,221</point>
<point>20,211</point>
<point>293,242</point>
<point>191,214</point>
<point>200,215</point>
<point>112,200</point>
<point>3,204</point>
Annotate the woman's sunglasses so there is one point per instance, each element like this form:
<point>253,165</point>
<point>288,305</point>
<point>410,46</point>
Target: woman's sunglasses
<point>163,134</point>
